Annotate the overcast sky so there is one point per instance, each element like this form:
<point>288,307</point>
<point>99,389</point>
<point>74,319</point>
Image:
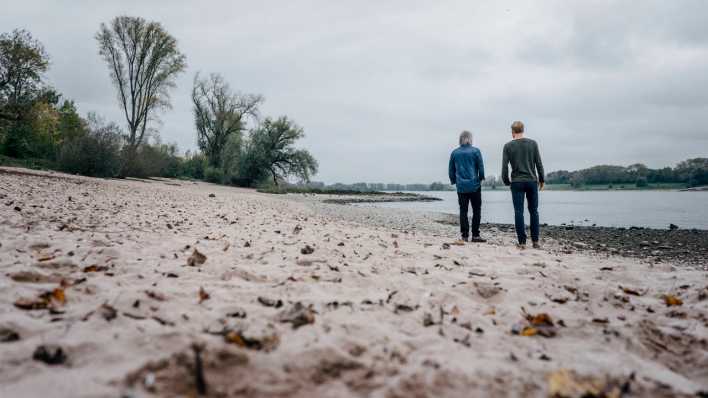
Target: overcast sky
<point>383,89</point>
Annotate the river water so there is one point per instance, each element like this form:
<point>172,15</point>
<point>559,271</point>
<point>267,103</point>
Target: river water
<point>655,209</point>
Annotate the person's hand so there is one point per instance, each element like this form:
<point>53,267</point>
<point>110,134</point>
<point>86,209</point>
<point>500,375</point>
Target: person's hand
<point>542,185</point>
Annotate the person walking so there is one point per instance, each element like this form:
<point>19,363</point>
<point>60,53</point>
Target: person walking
<point>466,171</point>
<point>526,179</point>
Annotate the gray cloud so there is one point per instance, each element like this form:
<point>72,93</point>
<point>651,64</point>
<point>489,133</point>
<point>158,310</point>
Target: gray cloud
<point>382,90</point>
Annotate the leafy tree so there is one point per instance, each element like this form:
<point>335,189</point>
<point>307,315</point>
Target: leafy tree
<point>271,152</point>
<point>144,62</point>
<point>23,61</point>
<point>693,171</point>
<point>71,125</point>
<point>220,113</point>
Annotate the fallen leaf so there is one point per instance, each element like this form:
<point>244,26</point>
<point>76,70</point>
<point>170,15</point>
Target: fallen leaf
<point>30,304</point>
<point>529,331</point>
<point>672,300</point>
<point>265,343</point>
<point>58,295</point>
<point>196,259</point>
<point>203,295</point>
<point>155,295</point>
<point>564,383</point>
<point>629,290</point>
<point>95,268</point>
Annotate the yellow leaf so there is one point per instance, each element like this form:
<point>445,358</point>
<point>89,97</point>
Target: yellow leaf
<point>529,331</point>
<point>58,295</point>
<point>671,300</point>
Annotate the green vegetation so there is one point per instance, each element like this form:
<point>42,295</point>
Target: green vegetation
<point>39,129</point>
<point>689,173</point>
<point>609,187</point>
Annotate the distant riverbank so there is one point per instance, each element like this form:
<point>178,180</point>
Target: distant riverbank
<point>616,208</point>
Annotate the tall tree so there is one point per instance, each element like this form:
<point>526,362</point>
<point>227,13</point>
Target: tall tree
<point>220,113</point>
<point>23,61</point>
<point>271,151</point>
<point>144,62</point>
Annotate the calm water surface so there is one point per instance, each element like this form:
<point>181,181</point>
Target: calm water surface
<point>656,209</point>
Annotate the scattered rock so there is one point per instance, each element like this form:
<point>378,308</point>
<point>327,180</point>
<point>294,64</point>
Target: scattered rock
<point>49,354</point>
<point>108,312</point>
<point>8,335</point>
<point>487,290</point>
<point>298,315</point>
<point>268,302</point>
<point>307,250</point>
<point>211,195</point>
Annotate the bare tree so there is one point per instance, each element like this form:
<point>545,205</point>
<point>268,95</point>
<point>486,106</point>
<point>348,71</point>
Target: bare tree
<point>144,61</point>
<point>220,113</point>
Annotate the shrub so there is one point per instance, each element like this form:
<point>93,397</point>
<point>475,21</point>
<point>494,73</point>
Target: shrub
<point>214,174</point>
<point>94,153</point>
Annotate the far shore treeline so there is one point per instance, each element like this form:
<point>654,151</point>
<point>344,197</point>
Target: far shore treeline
<point>41,128</point>
<point>688,173</point>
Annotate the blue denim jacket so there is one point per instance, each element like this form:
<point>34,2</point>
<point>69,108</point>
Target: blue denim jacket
<point>466,168</point>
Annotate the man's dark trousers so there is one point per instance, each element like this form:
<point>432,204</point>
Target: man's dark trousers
<point>465,199</point>
<point>518,191</point>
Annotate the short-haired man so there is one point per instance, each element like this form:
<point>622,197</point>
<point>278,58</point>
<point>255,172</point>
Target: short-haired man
<point>466,170</point>
<point>526,177</point>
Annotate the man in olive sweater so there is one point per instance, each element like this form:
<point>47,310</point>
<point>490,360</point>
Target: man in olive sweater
<point>526,178</point>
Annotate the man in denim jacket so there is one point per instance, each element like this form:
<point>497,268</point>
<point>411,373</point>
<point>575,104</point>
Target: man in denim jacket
<point>466,170</point>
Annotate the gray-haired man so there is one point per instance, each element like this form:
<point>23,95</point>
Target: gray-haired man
<point>466,170</point>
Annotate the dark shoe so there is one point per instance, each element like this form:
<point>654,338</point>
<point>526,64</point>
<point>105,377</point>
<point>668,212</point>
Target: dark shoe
<point>536,245</point>
<point>465,239</point>
<point>477,239</point>
<point>521,246</point>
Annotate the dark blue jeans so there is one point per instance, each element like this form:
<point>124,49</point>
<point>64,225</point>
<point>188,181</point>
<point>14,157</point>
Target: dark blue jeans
<point>530,191</point>
<point>465,200</point>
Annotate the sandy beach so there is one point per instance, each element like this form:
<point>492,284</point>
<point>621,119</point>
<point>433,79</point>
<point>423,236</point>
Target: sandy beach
<point>177,288</point>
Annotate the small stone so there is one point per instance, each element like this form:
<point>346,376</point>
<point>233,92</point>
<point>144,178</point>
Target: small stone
<point>8,335</point>
<point>49,354</point>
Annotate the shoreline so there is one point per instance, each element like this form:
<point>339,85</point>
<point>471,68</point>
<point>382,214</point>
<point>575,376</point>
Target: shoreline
<point>686,246</point>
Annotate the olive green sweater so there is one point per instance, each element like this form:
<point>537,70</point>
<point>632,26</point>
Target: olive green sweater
<point>525,159</point>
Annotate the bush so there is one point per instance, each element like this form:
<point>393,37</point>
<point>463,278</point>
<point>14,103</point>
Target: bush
<point>95,153</point>
<point>193,166</point>
<point>158,160</point>
<point>214,174</point>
